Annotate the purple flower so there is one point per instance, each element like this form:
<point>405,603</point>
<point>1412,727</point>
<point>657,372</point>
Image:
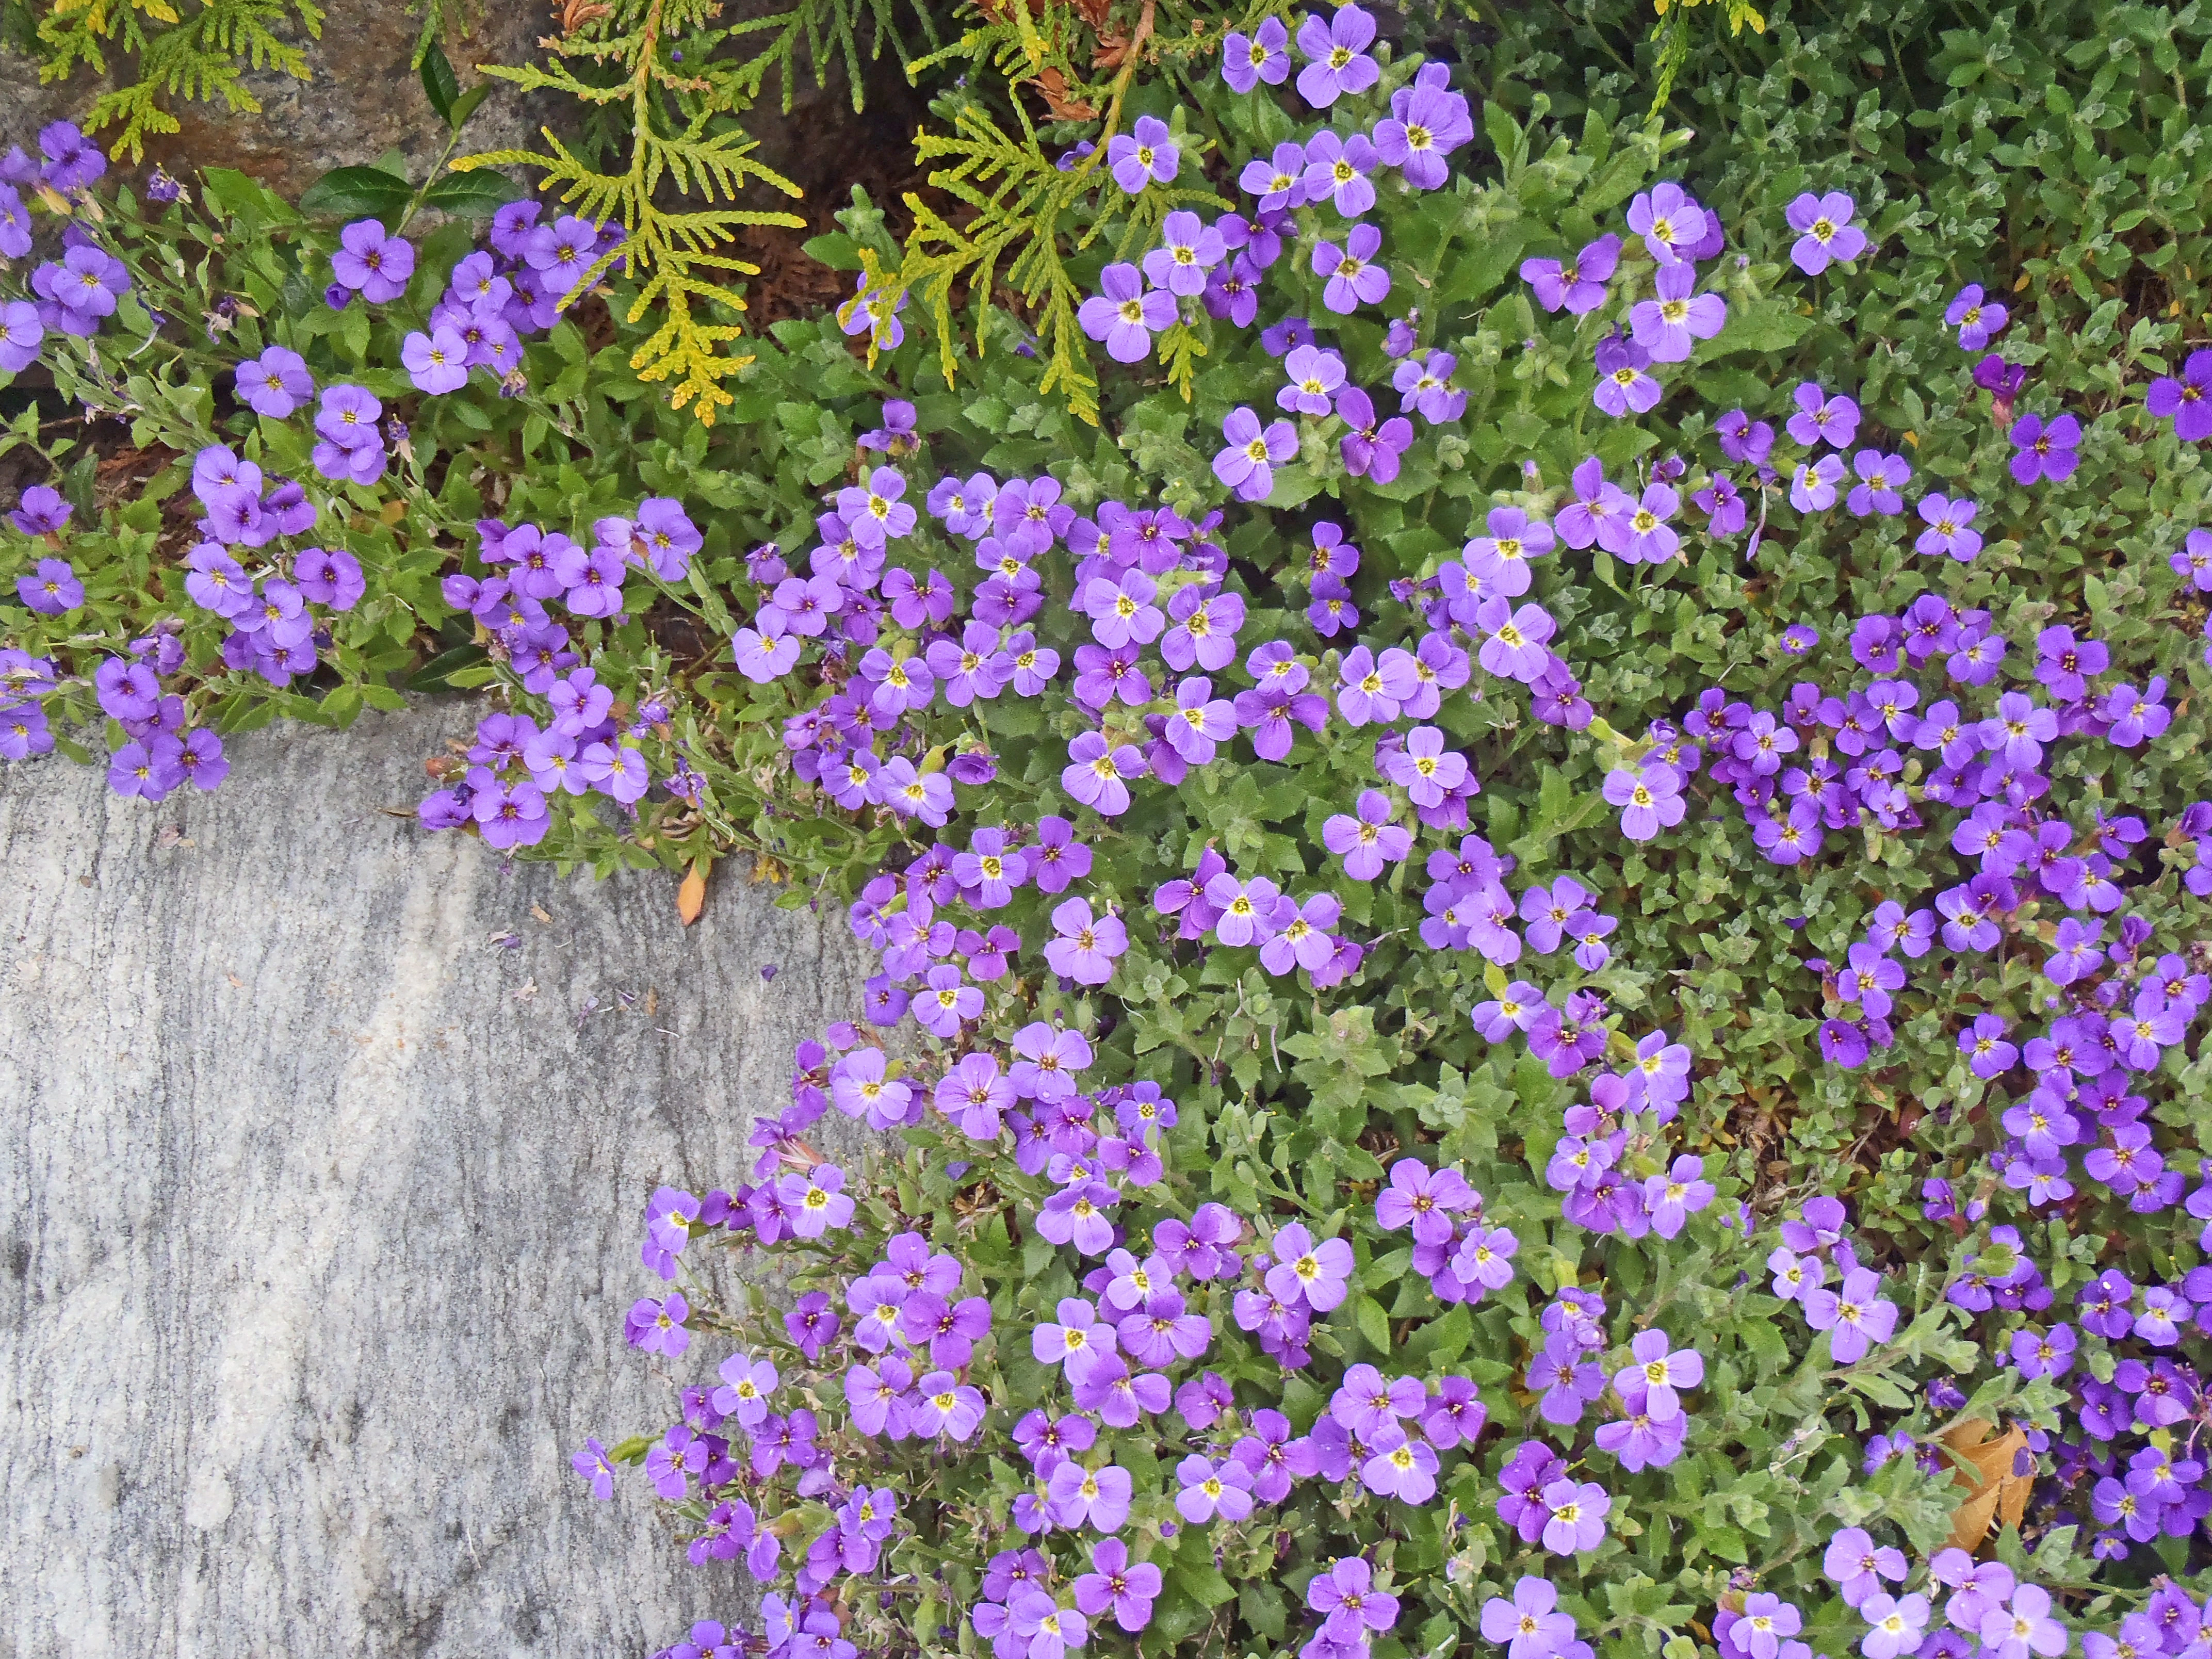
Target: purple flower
<point>1354,280</point>
<point>1623,387</point>
<point>1988,1054</point>
<point>20,332</point>
<point>1335,53</point>
<point>1370,840</point>
<point>1578,287</point>
<point>1858,1321</point>
<point>816,1202</point>
<point>1095,774</point>
<point>1669,221</point>
<point>1078,1214</point>
<point>1247,464</point>
<point>72,160</point>
<point>1083,948</point>
<point>596,1467</point>
<point>1336,172</point>
<point>1821,418</point>
<point>1208,1489</point>
<point>1370,450</point>
<point>1670,325</point>
<point>88,281</point>
<point>1247,60</point>
<point>1854,1560</point>
<point>1530,1624</point>
<point>1897,1624</point>
<point>2186,398</point>
<point>1824,231</point>
<point>1315,373</point>
<point>1650,799</point>
<point>275,383</point>
<point>1143,155</point>
<point>657,1327</point>
<point>1514,646</point>
<point>1950,528</point>
<point>1308,1272</point>
<point>1127,1587</point>
<point>2045,451</point>
<point>1979,322</point>
<point>2024,1628</point>
<point>1423,385</point>
<point>1427,122</point>
<point>375,263</point>
<point>51,590</point>
<point>1125,315</point>
<point>437,362</point>
<point>1881,477</point>
<point>1576,1515</point>
<point>1350,1605</point>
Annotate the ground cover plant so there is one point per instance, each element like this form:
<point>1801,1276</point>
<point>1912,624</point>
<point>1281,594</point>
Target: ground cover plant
<point>1540,914</point>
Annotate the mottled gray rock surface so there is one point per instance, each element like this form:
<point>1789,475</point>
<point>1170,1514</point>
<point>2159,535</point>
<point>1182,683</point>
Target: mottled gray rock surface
<point>363,100</point>
<point>319,1209</point>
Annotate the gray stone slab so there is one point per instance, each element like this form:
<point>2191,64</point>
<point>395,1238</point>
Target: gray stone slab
<point>319,1210</point>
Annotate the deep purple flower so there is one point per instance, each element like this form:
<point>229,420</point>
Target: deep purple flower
<point>1979,321</point>
<point>2045,450</point>
<point>1578,287</point>
<point>372,262</point>
<point>2186,398</point>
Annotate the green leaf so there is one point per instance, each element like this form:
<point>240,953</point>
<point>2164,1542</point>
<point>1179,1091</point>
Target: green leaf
<point>1762,325</point>
<point>356,193</point>
<point>1374,1324</point>
<point>474,195</point>
<point>467,104</point>
<point>440,84</point>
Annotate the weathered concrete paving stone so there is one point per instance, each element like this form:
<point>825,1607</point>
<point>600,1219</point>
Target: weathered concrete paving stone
<point>319,1209</point>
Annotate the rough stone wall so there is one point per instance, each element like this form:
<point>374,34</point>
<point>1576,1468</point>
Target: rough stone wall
<point>363,101</point>
<point>323,1148</point>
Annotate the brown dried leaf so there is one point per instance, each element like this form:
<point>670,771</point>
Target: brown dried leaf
<point>1052,86</point>
<point>691,896</point>
<point>1983,1468</point>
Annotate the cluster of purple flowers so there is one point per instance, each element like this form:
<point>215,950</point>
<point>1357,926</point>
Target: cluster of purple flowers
<point>76,293</point>
<point>274,631</point>
<point>588,747</point>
